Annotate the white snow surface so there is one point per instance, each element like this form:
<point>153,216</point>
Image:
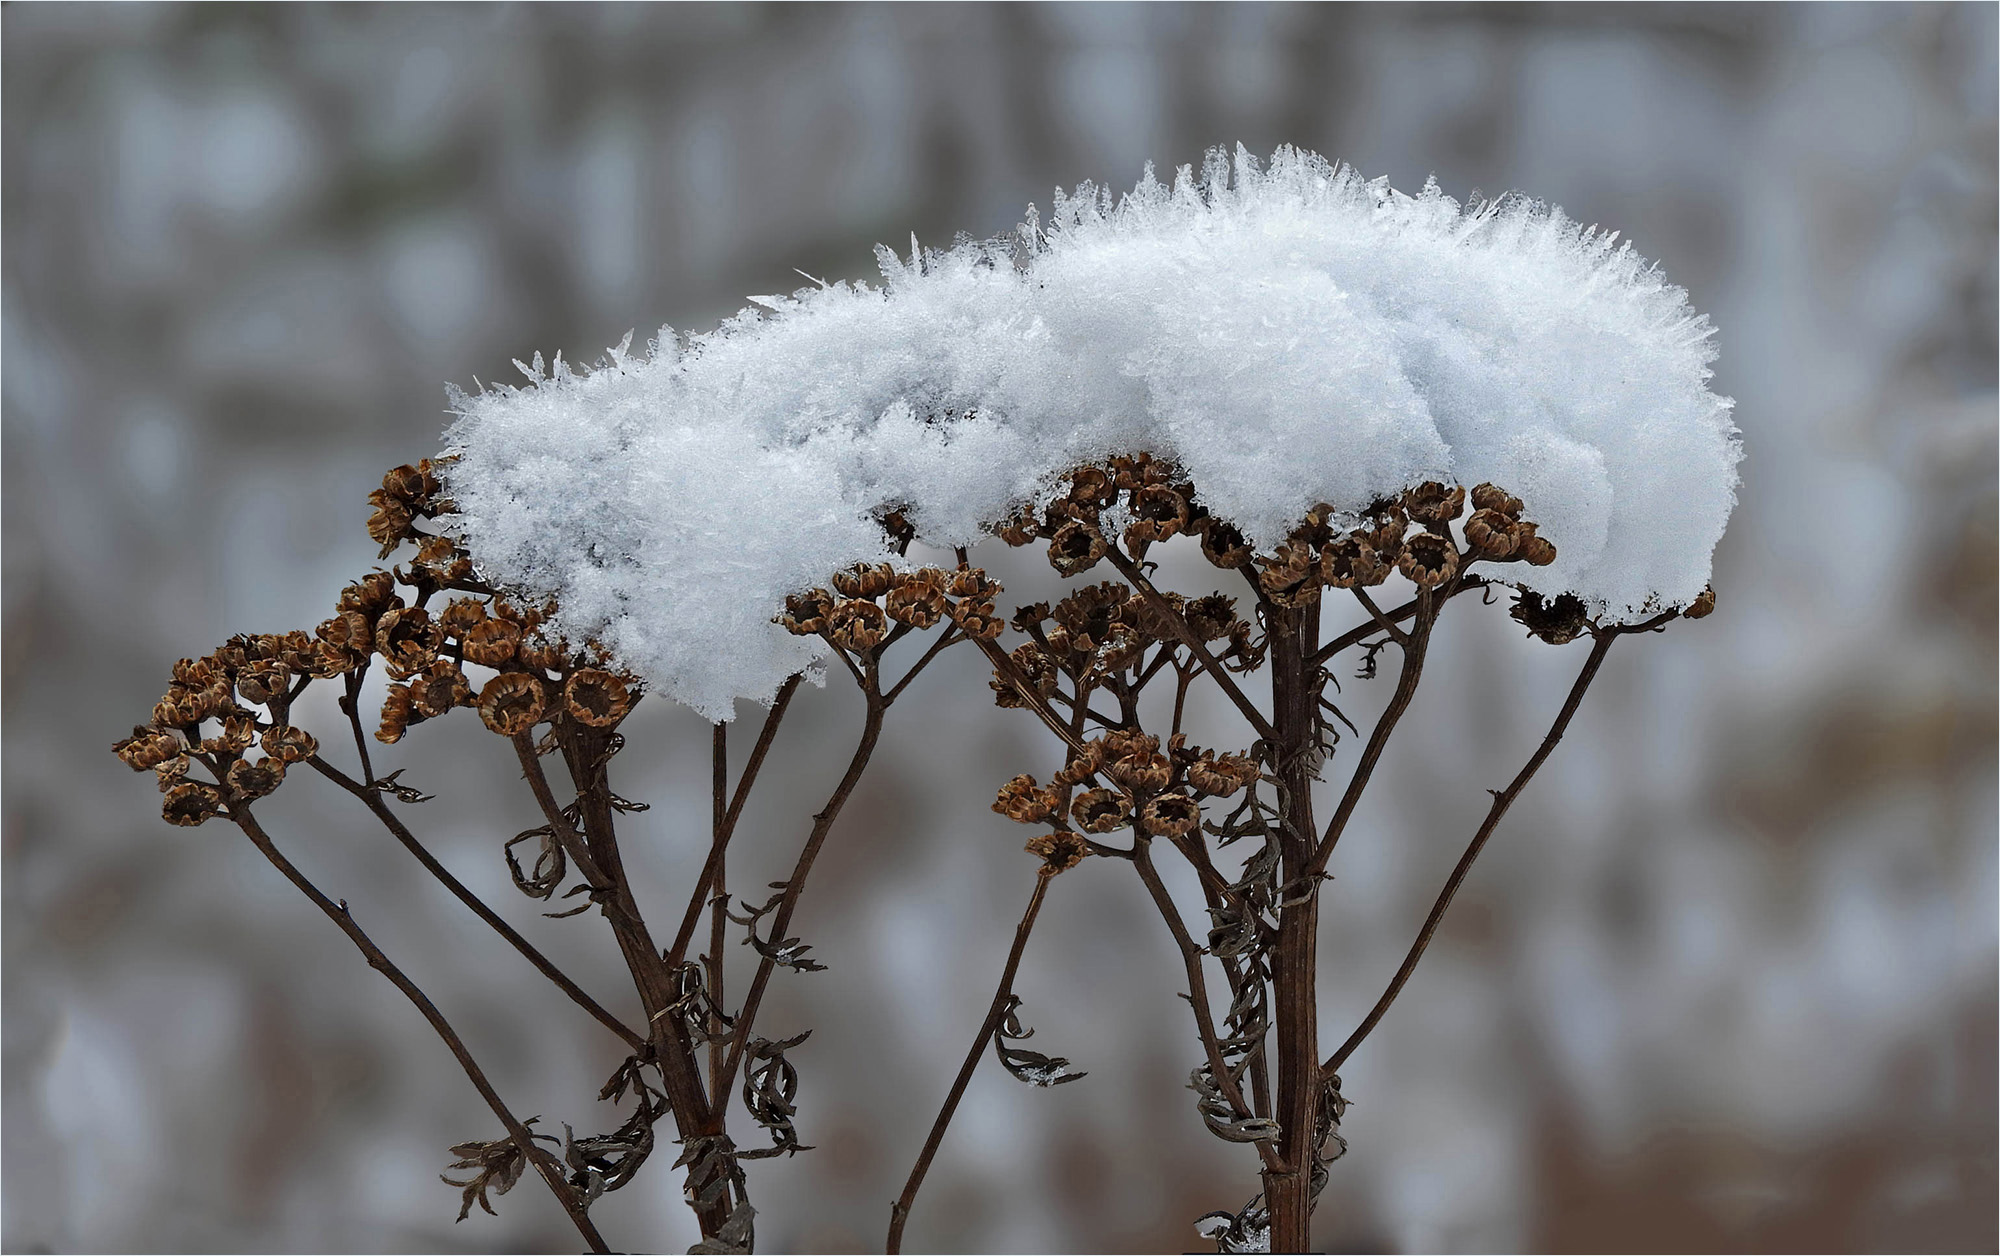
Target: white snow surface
<point>1290,335</point>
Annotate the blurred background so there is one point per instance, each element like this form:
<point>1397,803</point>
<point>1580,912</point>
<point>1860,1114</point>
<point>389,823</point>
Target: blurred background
<point>1725,979</point>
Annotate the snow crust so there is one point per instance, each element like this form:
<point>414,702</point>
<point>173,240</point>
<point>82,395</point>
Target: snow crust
<point>1291,335</point>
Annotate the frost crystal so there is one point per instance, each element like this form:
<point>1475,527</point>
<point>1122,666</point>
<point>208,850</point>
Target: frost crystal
<point>1289,335</point>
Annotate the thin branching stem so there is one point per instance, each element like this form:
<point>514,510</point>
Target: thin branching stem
<point>718,917</point>
<point>1502,800</point>
<point>545,1164</point>
<point>945,638</point>
<point>373,800</point>
<point>1191,640</point>
<point>899,1212</point>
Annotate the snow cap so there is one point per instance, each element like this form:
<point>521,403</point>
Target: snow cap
<point>1289,336</point>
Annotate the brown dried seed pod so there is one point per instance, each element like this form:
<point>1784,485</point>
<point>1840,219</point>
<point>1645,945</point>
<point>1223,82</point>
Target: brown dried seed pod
<point>1491,497</point>
<point>1428,560</point>
<point>511,703</point>
<point>1092,487</point>
<point>805,613</point>
<point>1431,502</point>
<point>408,483</point>
<point>1081,766</point>
<point>329,661</point>
<point>1101,810</point>
<point>260,682</point>
<point>195,673</point>
<point>1490,534</point>
<point>1141,773</point>
<point>147,748</point>
<point>864,581</point>
<point>389,526</point>
<point>971,582</point>
<point>290,744</point>
<point>539,652</point>
<point>1536,551</point>
<point>350,633</point>
<point>1075,548</point>
<point>597,697</point>
<point>1211,617</point>
<point>371,595</point>
<point>172,772</point>
<point>1288,565</point>
<point>1059,852</point>
<point>1025,802</point>
<point>444,559</point>
<point>190,804</point>
<point>1224,545</point>
<point>1120,649</point>
<point>492,642</point>
<point>461,616</point>
<point>1352,563</point>
<point>1172,815</point>
<point>980,624</point>
<point>1220,776</point>
<point>1020,529</point>
<point>1558,621</point>
<point>407,640</point>
<point>1158,512</point>
<point>1703,605</point>
<point>856,625</point>
<point>440,688</point>
<point>255,780</point>
<point>918,603</point>
<point>398,713</point>
<point>1089,611</point>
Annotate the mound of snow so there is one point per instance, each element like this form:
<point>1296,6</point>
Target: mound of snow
<point>1289,335</point>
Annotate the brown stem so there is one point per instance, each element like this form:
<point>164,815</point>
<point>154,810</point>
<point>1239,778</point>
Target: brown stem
<point>871,731</point>
<point>718,920</point>
<point>1355,636</point>
<point>544,1163</point>
<point>1191,640</point>
<point>899,1212</point>
<point>1371,754</point>
<point>944,639</point>
<point>1204,1017</point>
<point>373,800</point>
<point>703,884</point>
<point>1502,800</point>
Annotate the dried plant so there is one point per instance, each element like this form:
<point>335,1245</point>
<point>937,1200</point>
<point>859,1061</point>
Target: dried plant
<point>1107,670</point>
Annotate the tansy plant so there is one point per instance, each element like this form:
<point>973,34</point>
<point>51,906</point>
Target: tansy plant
<point>1349,399</point>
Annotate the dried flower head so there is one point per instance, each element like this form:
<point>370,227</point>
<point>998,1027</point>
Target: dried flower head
<point>290,744</point>
<point>370,595</point>
<point>918,599</point>
<point>254,780</point>
<point>438,689</point>
<point>148,748</point>
<point>1558,621</point>
<point>1703,605</point>
<point>1158,512</point>
<point>1350,562</point>
<point>1025,802</point>
<point>1428,559</point>
<point>1059,852</point>
<point>1211,617</point>
<point>1432,502</point>
<point>511,703</point>
<point>597,697</point>
<point>408,641</point>
<point>864,580</point>
<point>856,625</point>
<point>1224,544</point>
<point>1172,815</point>
<point>1101,810</point>
<point>1023,528</point>
<point>1490,534</point>
<point>1092,487</point>
<point>492,642</point>
<point>398,713</point>
<point>460,616</point>
<point>1076,547</point>
<point>1536,551</point>
<point>1081,765</point>
<point>190,803</point>
<point>1220,776</point>
<point>1498,500</point>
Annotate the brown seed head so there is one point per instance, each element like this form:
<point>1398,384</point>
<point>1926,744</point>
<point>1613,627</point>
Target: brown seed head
<point>398,713</point>
<point>1025,802</point>
<point>1223,544</point>
<point>290,744</point>
<point>407,640</point>
<point>1490,497</point>
<point>511,703</point>
<point>1536,551</point>
<point>1172,815</point>
<point>1158,512</point>
<point>492,642</point>
<point>389,526</point>
<point>1021,529</point>
<point>977,620</point>
<point>254,780</point>
<point>444,559</point>
<point>1428,560</point>
<point>917,603</point>
<point>1490,534</point>
<point>1558,621</point>
<point>371,595</point>
<point>805,613</point>
<point>1092,487</point>
<point>864,580</point>
<point>1101,810</point>
<point>597,697</point>
<point>1352,563</point>
<point>541,652</point>
<point>258,683</point>
<point>1075,548</point>
<point>1221,775</point>
<point>147,748</point>
<point>856,625</point>
<point>1431,502</point>
<point>1059,852</point>
<point>971,582</point>
<point>1210,617</point>
<point>460,616</point>
<point>1081,766</point>
<point>439,688</point>
<point>172,772</point>
<point>1702,607</point>
<point>191,803</point>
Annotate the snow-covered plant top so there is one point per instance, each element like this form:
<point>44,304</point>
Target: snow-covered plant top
<point>1289,336</point>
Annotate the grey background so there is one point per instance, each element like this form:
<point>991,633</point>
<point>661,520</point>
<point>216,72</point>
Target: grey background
<point>1725,980</point>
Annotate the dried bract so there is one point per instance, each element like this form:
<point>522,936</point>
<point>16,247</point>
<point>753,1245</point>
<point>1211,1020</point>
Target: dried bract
<point>511,703</point>
<point>597,697</point>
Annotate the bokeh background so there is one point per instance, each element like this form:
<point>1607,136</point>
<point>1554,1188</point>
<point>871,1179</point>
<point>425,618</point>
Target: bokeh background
<point>1724,981</point>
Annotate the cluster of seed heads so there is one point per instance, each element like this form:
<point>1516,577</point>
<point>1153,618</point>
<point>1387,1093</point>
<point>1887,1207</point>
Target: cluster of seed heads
<point>221,706</point>
<point>856,615</point>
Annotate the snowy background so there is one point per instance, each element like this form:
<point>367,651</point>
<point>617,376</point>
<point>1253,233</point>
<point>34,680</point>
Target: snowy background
<point>1725,980</point>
